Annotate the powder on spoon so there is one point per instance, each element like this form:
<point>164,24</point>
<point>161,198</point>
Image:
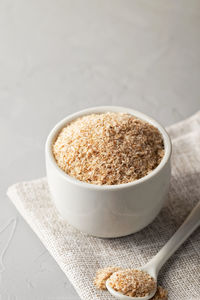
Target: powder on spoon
<point>108,148</point>
<point>126,282</point>
<point>134,283</point>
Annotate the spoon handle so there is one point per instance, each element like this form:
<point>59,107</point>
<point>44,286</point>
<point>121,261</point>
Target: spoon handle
<point>184,231</point>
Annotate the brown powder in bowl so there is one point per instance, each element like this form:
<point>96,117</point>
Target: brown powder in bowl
<point>108,148</point>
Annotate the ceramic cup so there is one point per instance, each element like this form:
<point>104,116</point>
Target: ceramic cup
<point>108,211</point>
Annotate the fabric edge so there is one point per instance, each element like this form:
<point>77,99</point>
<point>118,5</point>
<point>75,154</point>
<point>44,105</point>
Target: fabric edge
<point>187,119</point>
<point>14,198</point>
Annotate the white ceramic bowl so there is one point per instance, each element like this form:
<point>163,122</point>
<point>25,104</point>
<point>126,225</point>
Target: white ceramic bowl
<point>108,211</point>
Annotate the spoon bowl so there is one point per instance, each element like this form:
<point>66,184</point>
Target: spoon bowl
<point>124,297</point>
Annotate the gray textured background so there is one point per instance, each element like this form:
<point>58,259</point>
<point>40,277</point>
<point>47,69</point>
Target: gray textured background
<point>57,57</point>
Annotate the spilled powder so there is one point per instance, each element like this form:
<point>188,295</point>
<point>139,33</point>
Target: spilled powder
<point>102,275</point>
<point>108,148</point>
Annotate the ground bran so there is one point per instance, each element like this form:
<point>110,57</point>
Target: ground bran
<point>134,283</point>
<point>108,148</point>
<point>127,285</point>
<point>102,275</point>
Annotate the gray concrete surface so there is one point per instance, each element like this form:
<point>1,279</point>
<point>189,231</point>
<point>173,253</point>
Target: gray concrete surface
<point>57,57</point>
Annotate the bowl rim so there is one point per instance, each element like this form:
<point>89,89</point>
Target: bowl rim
<point>102,109</point>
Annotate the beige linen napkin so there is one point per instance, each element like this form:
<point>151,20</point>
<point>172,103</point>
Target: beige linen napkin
<point>79,255</point>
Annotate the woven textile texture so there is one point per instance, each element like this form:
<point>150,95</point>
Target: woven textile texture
<point>79,255</point>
